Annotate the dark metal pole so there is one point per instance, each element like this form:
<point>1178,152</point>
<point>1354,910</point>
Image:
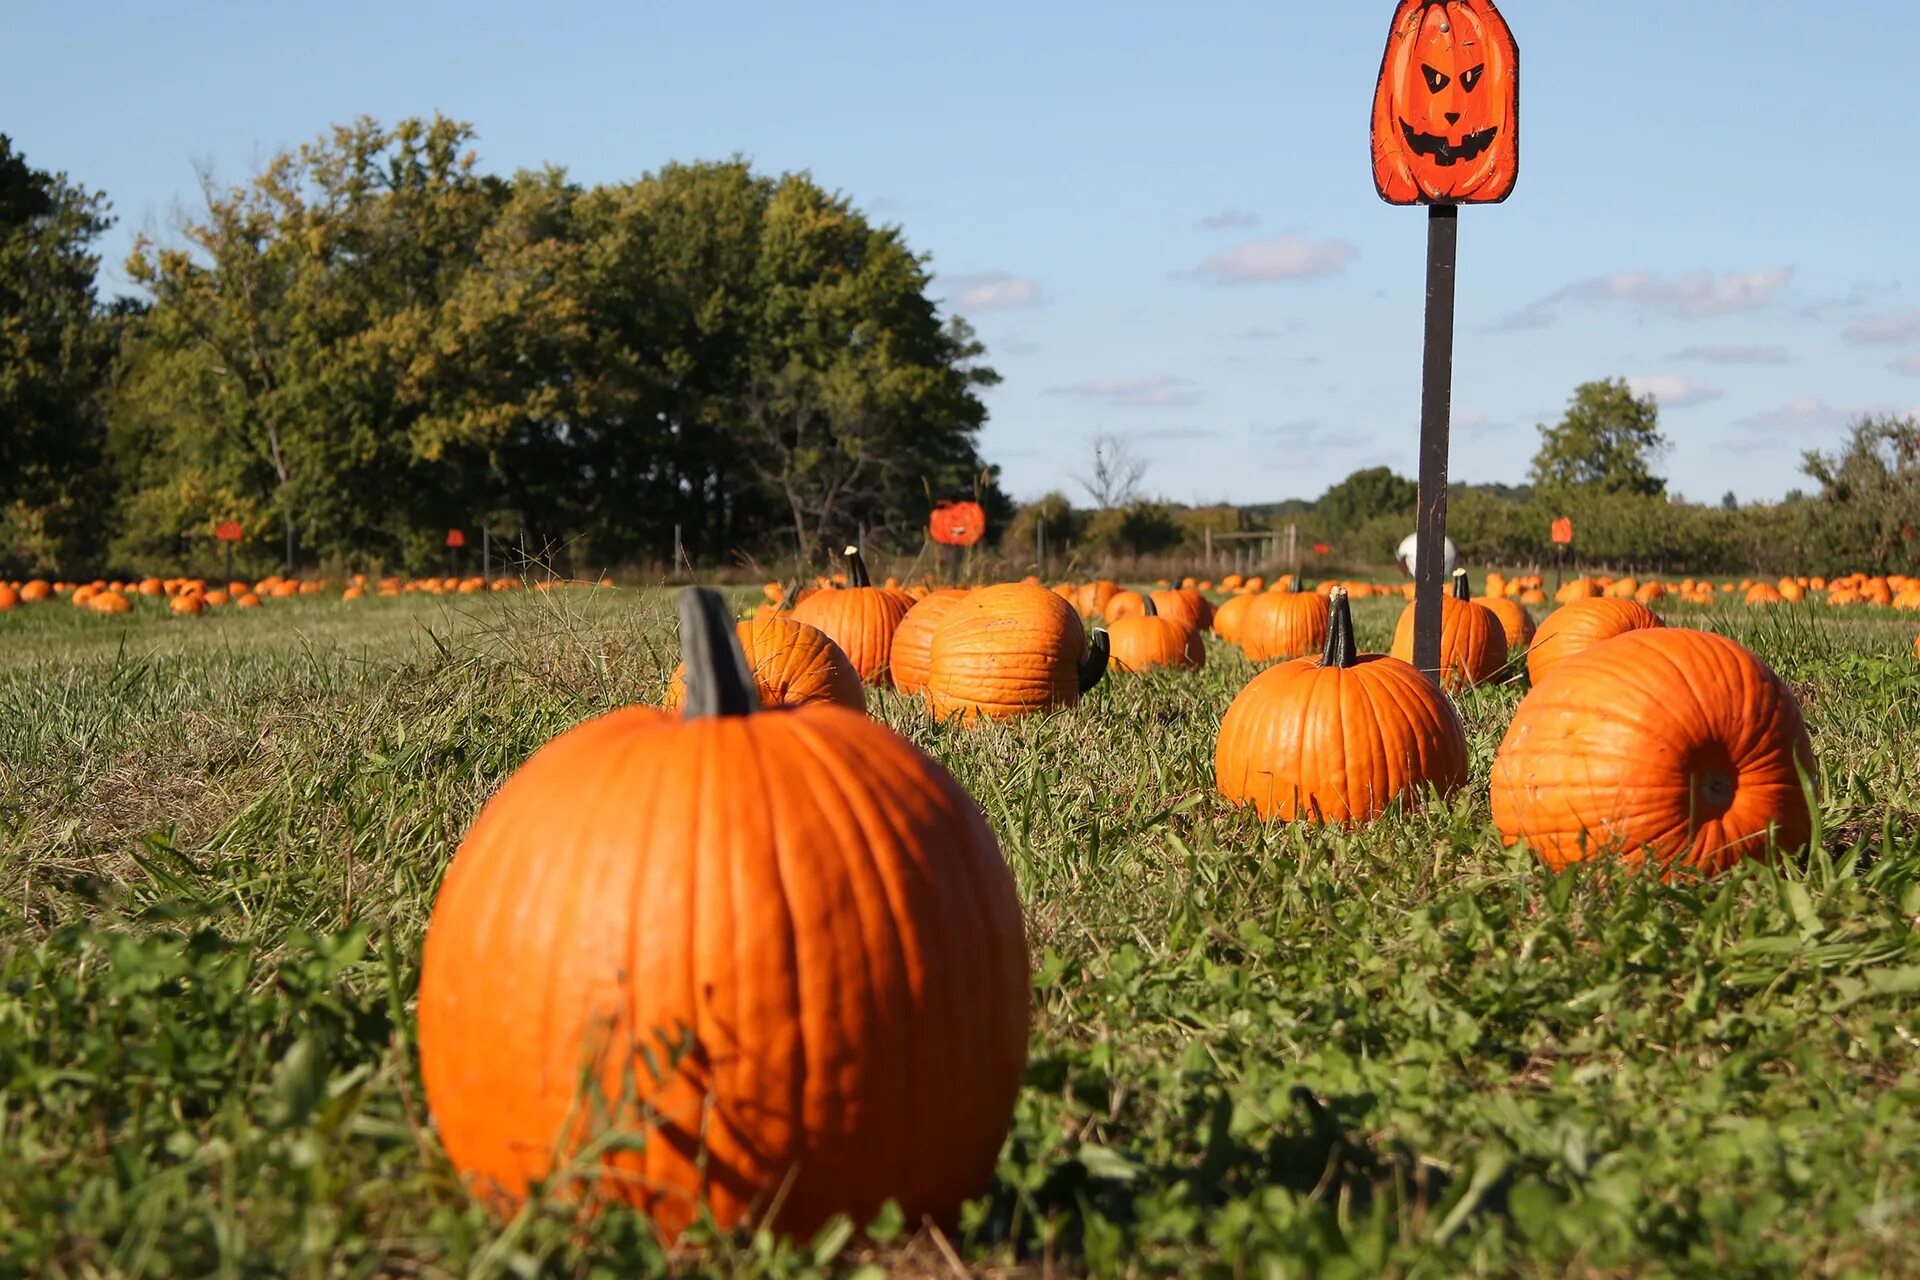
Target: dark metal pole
<point>1436,411</point>
<point>486,555</point>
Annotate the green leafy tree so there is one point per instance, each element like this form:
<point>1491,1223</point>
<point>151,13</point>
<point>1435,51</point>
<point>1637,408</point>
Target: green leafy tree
<point>1869,503</point>
<point>55,350</point>
<point>1608,440</point>
<point>1366,495</point>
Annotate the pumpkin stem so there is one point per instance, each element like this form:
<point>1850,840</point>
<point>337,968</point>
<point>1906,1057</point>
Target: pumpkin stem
<point>1096,664</point>
<point>719,682</point>
<point>1147,605</point>
<point>1341,652</point>
<point>1460,589</point>
<point>857,569</point>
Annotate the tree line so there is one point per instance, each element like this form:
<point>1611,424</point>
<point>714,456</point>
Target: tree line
<point>374,341</point>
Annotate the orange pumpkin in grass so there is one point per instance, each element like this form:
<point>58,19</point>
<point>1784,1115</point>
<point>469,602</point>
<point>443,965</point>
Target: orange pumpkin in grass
<point>35,590</point>
<point>861,618</point>
<point>792,663</point>
<point>1124,604</point>
<point>1515,621</point>
<point>1473,640</point>
<point>1151,640</point>
<point>9,598</point>
<point>1666,743</point>
<point>1284,624</point>
<point>1184,604</point>
<point>912,659</point>
<point>1338,738</point>
<point>1230,618</point>
<point>1012,650</point>
<point>781,947</point>
<point>1574,628</point>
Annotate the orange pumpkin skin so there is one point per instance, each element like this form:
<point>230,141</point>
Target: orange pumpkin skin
<point>1515,621</point>
<point>1150,640</point>
<point>1666,743</point>
<point>1473,642</point>
<point>1123,604</point>
<point>1336,739</point>
<point>1230,618</point>
<point>861,619</point>
<point>1446,110</point>
<point>1006,650</point>
<point>1283,624</point>
<point>793,664</point>
<point>1184,604</point>
<point>1577,626</point>
<point>800,920</point>
<point>912,658</point>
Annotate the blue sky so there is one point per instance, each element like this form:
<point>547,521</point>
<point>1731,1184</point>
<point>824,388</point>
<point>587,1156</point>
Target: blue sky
<point>1161,218</point>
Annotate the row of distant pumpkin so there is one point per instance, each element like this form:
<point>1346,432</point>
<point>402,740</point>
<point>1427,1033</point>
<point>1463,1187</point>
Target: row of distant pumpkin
<point>818,870</point>
<point>197,595</point>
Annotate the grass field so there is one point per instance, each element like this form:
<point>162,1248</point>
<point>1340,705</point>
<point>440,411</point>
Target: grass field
<point>1282,1051</point>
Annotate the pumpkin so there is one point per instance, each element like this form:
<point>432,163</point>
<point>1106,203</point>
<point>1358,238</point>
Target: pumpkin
<point>1666,743</point>
<point>781,945</point>
<point>1184,604</point>
<point>1338,738</point>
<point>1123,604</point>
<point>913,639</point>
<point>35,590</point>
<point>110,602</point>
<point>188,602</point>
<point>9,598</point>
<point>1284,624</point>
<point>1230,618</point>
<point>1515,621</point>
<point>1092,598</point>
<point>1152,640</point>
<point>861,618</point>
<point>792,664</point>
<point>1473,641</point>
<point>1578,626</point>
<point>1012,650</point>
<point>1446,109</point>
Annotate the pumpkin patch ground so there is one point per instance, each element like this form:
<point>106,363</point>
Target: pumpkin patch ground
<point>1394,1046</point>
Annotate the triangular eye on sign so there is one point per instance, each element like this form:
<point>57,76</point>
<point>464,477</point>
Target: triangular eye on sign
<point>1446,113</point>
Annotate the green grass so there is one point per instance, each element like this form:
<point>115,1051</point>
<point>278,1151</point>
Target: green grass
<point>1256,1051</point>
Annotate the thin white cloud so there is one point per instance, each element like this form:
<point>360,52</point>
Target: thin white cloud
<point>992,291</point>
<point>1311,434</point>
<point>1693,296</point>
<point>1810,413</point>
<point>1909,365</point>
<point>1673,390</point>
<point>1158,391</point>
<point>1229,220</point>
<point>1288,257</point>
<point>1893,326</point>
<point>1733,355</point>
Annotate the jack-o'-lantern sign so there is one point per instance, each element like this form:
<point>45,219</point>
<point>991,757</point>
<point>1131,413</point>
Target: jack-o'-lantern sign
<point>1446,113</point>
<point>957,524</point>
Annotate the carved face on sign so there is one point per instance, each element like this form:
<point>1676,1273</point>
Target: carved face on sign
<point>1446,114</point>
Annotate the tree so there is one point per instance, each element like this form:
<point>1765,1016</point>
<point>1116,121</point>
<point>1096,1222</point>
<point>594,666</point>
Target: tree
<point>1608,441</point>
<point>1115,476</point>
<point>1870,496</point>
<point>1366,495</point>
<point>55,350</point>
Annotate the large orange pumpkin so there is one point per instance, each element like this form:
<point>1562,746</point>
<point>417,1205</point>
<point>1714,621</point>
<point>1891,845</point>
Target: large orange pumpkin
<point>1473,641</point>
<point>780,946</point>
<point>1230,617</point>
<point>1446,110</point>
<point>1338,738</point>
<point>912,658</point>
<point>1577,626</point>
<point>860,619</point>
<point>1284,624</point>
<point>1011,650</point>
<point>1151,640</point>
<point>1665,743</point>
<point>792,664</point>
<point>1515,621</point>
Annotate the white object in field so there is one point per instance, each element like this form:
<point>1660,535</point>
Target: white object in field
<point>1407,548</point>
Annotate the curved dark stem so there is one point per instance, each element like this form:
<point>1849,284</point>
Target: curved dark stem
<point>1460,589</point>
<point>1096,664</point>
<point>1341,651</point>
<point>857,569</point>
<point>1147,604</point>
<point>719,682</point>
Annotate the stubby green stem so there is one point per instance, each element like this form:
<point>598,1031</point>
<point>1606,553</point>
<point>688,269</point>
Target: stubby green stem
<point>857,569</point>
<point>1460,589</point>
<point>719,682</point>
<point>1147,605</point>
<point>1341,651</point>
<point>1096,664</point>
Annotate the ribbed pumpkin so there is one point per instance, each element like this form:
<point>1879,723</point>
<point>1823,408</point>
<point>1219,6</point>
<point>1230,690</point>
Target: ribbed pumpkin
<point>9,597</point>
<point>912,657</point>
<point>1184,604</point>
<point>1515,621</point>
<point>1151,640</point>
<point>792,664</point>
<point>1091,601</point>
<point>1124,604</point>
<point>781,945</point>
<point>1473,641</point>
<point>1576,627</point>
<point>1336,739</point>
<point>861,619</point>
<point>1284,624</point>
<point>1230,618</point>
<point>1012,650</point>
<point>1674,744</point>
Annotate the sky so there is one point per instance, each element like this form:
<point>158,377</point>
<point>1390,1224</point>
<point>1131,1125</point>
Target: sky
<point>1161,219</point>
